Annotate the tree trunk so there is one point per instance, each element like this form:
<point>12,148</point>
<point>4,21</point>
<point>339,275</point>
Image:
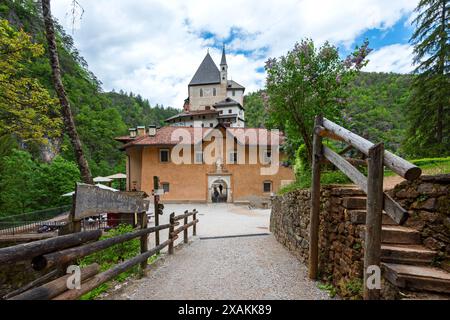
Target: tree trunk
<point>59,87</point>
<point>441,70</point>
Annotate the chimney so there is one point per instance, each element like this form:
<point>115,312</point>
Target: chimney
<point>133,132</point>
<point>141,131</point>
<point>152,130</point>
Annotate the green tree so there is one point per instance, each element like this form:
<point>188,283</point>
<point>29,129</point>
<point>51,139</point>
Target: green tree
<point>53,180</point>
<point>429,107</point>
<point>255,114</point>
<point>26,108</point>
<point>306,82</point>
<point>18,183</point>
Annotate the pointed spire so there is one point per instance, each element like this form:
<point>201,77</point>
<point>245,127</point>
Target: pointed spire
<point>224,57</point>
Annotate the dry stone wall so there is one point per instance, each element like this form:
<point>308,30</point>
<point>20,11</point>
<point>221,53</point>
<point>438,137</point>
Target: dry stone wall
<point>428,203</point>
<point>340,240</point>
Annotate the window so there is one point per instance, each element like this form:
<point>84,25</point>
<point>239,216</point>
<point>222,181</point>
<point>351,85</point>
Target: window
<point>214,92</point>
<point>267,157</point>
<point>233,157</point>
<point>267,186</point>
<point>211,125</point>
<point>234,93</point>
<point>208,108</point>
<point>230,111</point>
<point>164,155</point>
<point>199,157</point>
<point>166,187</point>
<point>201,92</point>
<point>221,112</point>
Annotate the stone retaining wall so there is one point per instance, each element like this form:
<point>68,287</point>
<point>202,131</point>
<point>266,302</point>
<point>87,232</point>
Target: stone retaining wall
<point>340,241</point>
<point>341,236</point>
<point>428,203</point>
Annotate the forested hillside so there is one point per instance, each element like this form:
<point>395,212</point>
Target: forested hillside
<point>375,108</point>
<point>100,117</point>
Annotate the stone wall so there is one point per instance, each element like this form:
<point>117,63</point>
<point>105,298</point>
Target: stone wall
<point>340,241</point>
<point>342,230</point>
<point>428,203</point>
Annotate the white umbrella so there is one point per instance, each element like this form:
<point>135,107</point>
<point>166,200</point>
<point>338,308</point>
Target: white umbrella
<point>117,176</point>
<point>101,186</point>
<point>102,180</point>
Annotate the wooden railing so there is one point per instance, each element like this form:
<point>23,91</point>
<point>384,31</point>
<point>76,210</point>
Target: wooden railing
<point>372,185</point>
<point>56,254</point>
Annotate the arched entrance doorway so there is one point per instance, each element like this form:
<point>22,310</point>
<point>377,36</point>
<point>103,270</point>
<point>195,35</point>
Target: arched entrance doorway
<point>219,191</point>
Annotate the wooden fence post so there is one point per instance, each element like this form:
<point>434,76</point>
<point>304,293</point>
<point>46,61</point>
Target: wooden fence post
<point>315,202</point>
<point>372,252</point>
<point>171,230</point>
<point>194,228</point>
<point>185,233</point>
<point>156,209</point>
<point>144,240</point>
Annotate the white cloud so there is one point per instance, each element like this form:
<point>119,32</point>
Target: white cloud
<point>153,47</point>
<point>393,58</point>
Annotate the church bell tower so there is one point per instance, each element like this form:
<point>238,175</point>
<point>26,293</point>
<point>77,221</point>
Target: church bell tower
<point>224,68</point>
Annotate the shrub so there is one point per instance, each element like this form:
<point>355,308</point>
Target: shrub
<point>111,256</point>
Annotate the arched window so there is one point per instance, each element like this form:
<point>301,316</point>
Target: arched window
<point>201,92</point>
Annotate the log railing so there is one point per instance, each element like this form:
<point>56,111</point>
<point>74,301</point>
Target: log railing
<point>185,228</point>
<point>372,185</point>
<point>56,254</point>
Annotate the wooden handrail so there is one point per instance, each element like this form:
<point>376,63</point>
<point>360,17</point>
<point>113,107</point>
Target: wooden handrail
<point>392,208</point>
<point>65,256</point>
<point>110,274</point>
<point>185,227</point>
<point>186,215</point>
<point>27,251</point>
<point>399,165</point>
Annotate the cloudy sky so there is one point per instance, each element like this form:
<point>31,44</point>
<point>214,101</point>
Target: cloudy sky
<point>153,47</point>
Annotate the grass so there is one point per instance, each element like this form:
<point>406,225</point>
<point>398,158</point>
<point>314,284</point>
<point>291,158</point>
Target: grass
<point>429,166</point>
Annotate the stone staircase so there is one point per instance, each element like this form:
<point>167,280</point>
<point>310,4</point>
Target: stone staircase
<point>407,264</point>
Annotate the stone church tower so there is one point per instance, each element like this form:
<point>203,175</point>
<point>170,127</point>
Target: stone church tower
<point>213,99</point>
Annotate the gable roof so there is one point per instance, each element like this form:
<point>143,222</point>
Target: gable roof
<point>207,73</point>
<point>168,136</point>
<point>193,113</point>
<point>234,85</point>
<point>228,102</point>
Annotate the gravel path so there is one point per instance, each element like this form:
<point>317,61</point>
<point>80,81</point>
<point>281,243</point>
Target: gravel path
<point>247,268</point>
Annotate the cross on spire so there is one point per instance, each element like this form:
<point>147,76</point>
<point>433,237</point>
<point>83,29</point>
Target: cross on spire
<point>224,57</point>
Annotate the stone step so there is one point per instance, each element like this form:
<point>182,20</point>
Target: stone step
<point>400,235</point>
<point>407,254</point>
<point>355,203</point>
<point>417,277</point>
<point>425,296</point>
<point>359,217</point>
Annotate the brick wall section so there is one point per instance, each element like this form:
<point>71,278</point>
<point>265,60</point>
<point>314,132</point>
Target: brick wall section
<point>340,241</point>
<point>428,203</point>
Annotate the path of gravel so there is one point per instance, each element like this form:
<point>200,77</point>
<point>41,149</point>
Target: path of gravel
<point>226,268</point>
<point>246,268</point>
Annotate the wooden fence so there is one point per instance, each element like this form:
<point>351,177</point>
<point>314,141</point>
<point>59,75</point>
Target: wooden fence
<point>55,255</point>
<point>372,185</point>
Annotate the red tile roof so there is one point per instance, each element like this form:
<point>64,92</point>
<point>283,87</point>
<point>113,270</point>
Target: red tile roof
<point>172,135</point>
